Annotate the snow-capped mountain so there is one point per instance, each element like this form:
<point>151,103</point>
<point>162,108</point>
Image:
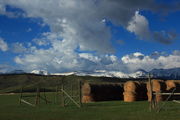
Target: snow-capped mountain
<point>139,74</point>
<point>65,74</point>
<point>104,73</point>
<point>173,73</point>
<point>40,72</point>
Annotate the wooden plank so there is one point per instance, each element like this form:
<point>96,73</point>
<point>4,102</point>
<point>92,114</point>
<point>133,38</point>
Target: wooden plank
<point>28,95</point>
<point>176,101</point>
<point>166,100</point>
<point>45,96</point>
<point>20,95</point>
<point>166,93</point>
<point>80,93</point>
<point>62,93</point>
<point>56,95</point>
<point>28,103</point>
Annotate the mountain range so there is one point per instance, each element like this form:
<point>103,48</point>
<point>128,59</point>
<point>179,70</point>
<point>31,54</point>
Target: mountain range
<point>173,73</point>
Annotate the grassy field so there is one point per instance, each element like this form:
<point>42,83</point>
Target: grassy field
<point>114,110</point>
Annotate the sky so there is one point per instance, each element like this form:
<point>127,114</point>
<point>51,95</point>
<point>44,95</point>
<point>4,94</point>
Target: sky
<point>79,35</point>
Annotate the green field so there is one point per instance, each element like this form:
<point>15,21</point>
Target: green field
<point>114,110</point>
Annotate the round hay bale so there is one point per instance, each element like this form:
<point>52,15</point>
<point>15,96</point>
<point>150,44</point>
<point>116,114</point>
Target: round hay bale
<point>86,89</point>
<point>170,84</point>
<point>157,85</point>
<point>129,96</point>
<point>87,99</point>
<point>130,86</point>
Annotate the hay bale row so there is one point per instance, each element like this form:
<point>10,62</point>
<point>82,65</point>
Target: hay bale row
<point>160,86</point>
<point>134,91</point>
<point>131,91</point>
<point>101,92</point>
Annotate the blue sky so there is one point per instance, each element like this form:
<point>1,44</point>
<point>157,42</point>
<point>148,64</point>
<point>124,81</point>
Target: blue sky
<point>33,33</point>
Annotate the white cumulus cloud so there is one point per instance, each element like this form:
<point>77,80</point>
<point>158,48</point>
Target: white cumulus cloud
<point>140,26</point>
<point>68,61</point>
<point>81,23</point>
<point>147,62</point>
<point>3,45</point>
<point>18,48</point>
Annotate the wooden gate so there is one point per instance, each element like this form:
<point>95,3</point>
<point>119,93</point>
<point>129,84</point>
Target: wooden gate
<point>69,92</point>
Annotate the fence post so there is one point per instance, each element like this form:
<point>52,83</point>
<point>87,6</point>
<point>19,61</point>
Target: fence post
<point>80,93</point>
<point>20,95</point>
<point>62,95</point>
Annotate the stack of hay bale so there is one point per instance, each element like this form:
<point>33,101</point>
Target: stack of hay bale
<point>101,92</point>
<point>86,93</point>
<point>130,88</point>
<point>171,85</point>
<point>158,86</point>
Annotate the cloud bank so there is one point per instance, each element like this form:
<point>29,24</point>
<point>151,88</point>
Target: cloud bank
<point>148,62</point>
<point>57,61</point>
<point>82,20</point>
